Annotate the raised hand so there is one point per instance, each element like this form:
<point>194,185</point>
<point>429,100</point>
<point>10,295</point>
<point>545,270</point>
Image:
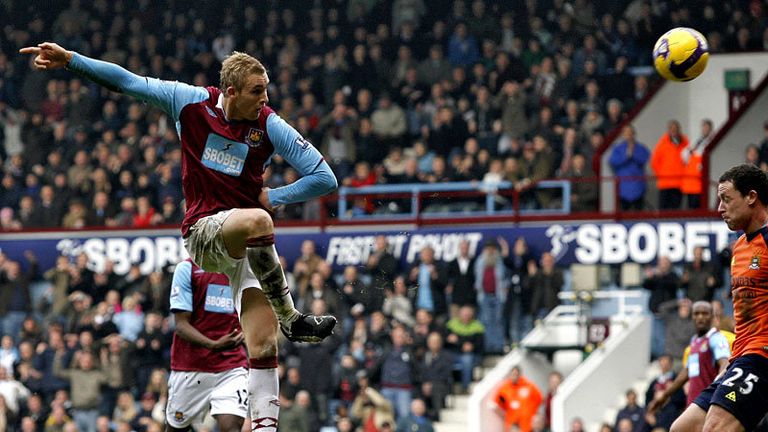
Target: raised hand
<point>49,55</point>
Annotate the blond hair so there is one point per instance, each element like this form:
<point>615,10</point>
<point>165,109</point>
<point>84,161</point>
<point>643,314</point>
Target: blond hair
<point>236,68</point>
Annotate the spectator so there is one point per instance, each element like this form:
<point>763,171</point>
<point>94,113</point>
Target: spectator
<point>449,132</point>
<point>751,155</point>
<point>356,291</point>
<point>628,159</point>
<point>372,409</point>
<point>435,68</point>
<point>679,326</point>
<point>465,341</point>
<point>338,128</point>
<point>382,265</point>
<point>85,380</point>
<point>75,216</point>
<point>517,310</point>
<point>15,301</point>
<point>554,380</point>
<point>144,417</point>
<point>416,421</point>
<point>429,278</point>
<point>461,279</point>
<point>491,285</point>
<point>292,417</point>
<point>692,157</point>
<point>577,425</point>
<point>514,120</point>
<point>764,146</point>
<point>130,321</point>
<point>13,392</point>
<point>151,345</point>
<point>436,374</point>
<point>667,164</point>
<point>389,122</point>
<point>312,358</point>
<point>699,277</point>
<point>663,283</point>
<point>397,305</point>
<point>668,413</point>
<point>345,380</point>
<point>398,372</point>
<point>125,411</point>
<point>307,263</point>
<point>545,284</point>
<point>304,401</point>
<point>583,186</point>
<point>633,412</point>
<point>319,289</point>
<point>462,47</point>
<point>518,400</point>
<point>100,213</point>
<point>9,354</point>
<point>50,208</point>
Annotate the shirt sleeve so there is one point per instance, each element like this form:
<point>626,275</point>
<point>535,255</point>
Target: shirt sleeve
<point>317,178</point>
<point>181,287</point>
<point>170,96</point>
<point>719,345</point>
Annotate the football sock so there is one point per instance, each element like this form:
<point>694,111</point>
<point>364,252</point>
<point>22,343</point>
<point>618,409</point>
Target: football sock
<point>265,263</point>
<point>264,406</point>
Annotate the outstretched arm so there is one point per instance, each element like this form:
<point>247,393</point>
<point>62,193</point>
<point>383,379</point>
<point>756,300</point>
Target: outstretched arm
<point>171,97</point>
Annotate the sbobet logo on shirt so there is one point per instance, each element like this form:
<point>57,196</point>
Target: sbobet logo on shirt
<point>223,155</point>
<point>218,299</point>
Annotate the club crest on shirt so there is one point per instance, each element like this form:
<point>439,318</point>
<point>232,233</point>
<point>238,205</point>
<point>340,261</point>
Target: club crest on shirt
<point>755,264</point>
<point>253,138</point>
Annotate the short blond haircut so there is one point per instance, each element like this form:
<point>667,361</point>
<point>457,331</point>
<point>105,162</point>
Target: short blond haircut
<point>237,68</point>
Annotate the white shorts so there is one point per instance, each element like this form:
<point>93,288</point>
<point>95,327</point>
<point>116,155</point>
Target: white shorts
<point>192,394</point>
<point>205,245</point>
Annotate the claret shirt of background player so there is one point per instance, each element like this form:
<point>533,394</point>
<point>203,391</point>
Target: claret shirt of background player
<point>749,288</point>
<point>208,297</point>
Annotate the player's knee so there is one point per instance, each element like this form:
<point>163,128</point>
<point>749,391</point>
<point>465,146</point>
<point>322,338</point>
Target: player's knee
<point>259,223</point>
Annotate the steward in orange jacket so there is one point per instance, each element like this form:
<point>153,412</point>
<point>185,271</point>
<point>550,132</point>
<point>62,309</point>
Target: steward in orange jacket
<point>519,399</point>
<point>693,158</point>
<point>667,164</point>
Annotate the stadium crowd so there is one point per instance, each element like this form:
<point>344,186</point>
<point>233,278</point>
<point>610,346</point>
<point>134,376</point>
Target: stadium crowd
<point>391,92</point>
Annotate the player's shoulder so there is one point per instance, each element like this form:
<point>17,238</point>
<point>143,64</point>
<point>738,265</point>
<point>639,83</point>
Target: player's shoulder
<point>186,266</point>
<point>213,92</point>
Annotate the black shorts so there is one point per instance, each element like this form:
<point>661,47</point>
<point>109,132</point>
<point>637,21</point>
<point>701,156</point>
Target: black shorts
<point>742,390</point>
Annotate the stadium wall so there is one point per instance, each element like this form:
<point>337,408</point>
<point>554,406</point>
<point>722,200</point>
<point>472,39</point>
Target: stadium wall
<point>731,149</point>
<point>689,103</point>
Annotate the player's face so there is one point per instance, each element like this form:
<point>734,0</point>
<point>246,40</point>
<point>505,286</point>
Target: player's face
<point>702,318</point>
<point>249,100</point>
<point>734,208</point>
